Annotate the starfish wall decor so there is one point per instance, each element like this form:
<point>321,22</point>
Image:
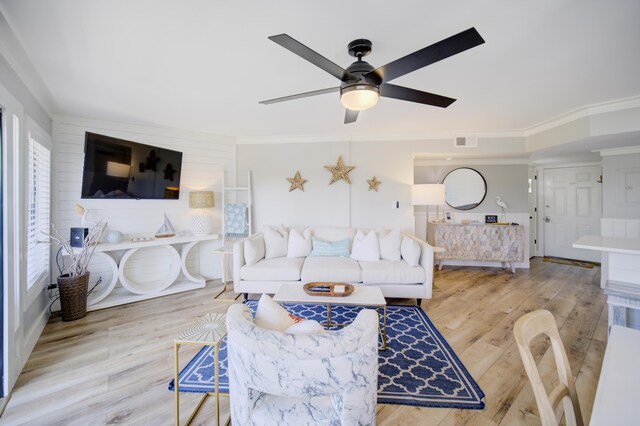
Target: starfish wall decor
<point>373,184</point>
<point>296,182</point>
<point>340,171</point>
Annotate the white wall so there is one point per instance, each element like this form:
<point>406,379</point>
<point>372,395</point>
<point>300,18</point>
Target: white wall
<point>206,158</point>
<point>616,169</point>
<point>24,317</point>
<point>340,204</point>
<point>506,180</point>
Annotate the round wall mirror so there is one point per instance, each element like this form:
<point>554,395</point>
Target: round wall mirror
<point>465,188</point>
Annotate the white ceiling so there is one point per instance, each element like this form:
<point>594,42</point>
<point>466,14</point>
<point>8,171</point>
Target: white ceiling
<point>204,65</point>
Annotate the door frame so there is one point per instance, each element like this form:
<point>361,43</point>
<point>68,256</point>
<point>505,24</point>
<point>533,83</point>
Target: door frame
<point>540,205</point>
<point>533,222</point>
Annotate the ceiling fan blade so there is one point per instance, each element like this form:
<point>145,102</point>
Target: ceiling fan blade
<point>312,56</point>
<point>406,94</point>
<point>301,95</point>
<point>350,116</point>
<point>436,52</point>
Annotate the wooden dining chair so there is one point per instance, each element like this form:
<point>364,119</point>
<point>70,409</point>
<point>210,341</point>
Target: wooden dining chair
<point>527,328</point>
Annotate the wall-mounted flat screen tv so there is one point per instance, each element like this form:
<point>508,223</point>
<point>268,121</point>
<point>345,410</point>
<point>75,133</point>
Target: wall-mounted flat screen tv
<point>120,169</point>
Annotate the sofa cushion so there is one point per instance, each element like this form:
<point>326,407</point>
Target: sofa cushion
<point>275,241</point>
<point>277,269</point>
<point>330,248</point>
<point>305,327</point>
<point>410,250</point>
<point>332,269</point>
<point>299,243</point>
<point>389,243</point>
<point>253,249</point>
<point>365,246</point>
<point>272,316</point>
<point>391,272</point>
<point>334,234</point>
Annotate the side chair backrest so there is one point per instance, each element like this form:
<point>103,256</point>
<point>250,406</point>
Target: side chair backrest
<point>527,328</point>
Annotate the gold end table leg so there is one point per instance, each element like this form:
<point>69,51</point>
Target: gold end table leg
<point>176,390</point>
<point>383,329</point>
<point>195,411</point>
<point>217,389</point>
<point>384,326</point>
<point>224,276</point>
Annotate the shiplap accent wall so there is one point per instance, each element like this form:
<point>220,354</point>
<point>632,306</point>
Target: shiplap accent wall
<point>206,159</point>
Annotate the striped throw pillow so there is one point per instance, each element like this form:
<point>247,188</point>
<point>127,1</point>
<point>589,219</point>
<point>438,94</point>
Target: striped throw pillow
<point>329,248</point>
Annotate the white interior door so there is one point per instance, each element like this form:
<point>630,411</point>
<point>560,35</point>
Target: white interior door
<point>572,208</point>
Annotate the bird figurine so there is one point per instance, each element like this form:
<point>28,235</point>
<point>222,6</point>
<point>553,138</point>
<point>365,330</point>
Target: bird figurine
<point>504,208</point>
<point>89,220</point>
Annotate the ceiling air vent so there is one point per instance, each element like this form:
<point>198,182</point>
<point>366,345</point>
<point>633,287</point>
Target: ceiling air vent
<point>465,142</point>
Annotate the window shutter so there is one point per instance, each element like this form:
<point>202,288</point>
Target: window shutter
<point>38,210</point>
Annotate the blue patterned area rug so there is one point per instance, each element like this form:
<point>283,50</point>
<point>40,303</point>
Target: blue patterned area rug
<point>418,368</point>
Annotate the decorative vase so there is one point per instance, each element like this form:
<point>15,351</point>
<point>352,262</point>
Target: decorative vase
<point>114,237</point>
<point>73,296</point>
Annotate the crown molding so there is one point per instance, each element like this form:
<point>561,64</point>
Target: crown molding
<point>618,151</point>
<point>470,161</point>
<point>384,137</point>
<point>582,112</point>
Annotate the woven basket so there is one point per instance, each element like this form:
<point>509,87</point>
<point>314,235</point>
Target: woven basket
<point>73,296</point>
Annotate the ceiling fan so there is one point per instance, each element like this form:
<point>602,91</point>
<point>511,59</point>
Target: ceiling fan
<point>362,84</point>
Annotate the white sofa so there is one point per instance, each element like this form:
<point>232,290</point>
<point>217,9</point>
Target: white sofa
<point>308,379</point>
<point>395,278</point>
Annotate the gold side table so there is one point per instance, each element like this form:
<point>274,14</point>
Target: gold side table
<point>224,251</point>
<point>208,331</point>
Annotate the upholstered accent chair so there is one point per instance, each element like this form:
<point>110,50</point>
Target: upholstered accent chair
<point>278,378</point>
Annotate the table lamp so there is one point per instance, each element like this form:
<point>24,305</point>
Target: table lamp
<point>428,194</point>
<point>201,222</point>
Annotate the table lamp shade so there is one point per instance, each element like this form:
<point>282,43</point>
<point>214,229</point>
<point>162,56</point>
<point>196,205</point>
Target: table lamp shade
<point>201,199</point>
<point>429,194</point>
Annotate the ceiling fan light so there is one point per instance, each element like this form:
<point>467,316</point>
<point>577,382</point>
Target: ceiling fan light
<point>359,97</point>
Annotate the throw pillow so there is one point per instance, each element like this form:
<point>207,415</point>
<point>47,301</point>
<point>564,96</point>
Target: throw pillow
<point>275,241</point>
<point>305,327</point>
<point>410,250</point>
<point>253,249</point>
<point>299,243</point>
<point>329,248</point>
<point>365,247</point>
<point>390,242</point>
<point>272,316</point>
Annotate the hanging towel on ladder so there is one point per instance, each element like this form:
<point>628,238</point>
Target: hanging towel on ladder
<point>235,221</point>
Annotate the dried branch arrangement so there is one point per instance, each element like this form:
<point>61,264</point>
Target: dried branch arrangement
<point>79,259</point>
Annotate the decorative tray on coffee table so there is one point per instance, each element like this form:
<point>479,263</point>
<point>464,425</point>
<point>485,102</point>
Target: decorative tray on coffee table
<point>328,289</point>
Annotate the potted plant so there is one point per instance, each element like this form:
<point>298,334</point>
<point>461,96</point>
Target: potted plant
<point>74,280</point>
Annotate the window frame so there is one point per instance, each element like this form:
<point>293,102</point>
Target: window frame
<point>35,132</point>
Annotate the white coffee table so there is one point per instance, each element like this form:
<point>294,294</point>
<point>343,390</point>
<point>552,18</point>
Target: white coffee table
<point>361,296</point>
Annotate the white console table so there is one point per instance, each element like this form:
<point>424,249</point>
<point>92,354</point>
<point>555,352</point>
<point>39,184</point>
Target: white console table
<point>478,242</point>
<point>150,277</point>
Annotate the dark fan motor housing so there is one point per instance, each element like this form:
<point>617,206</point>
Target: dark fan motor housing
<point>362,75</point>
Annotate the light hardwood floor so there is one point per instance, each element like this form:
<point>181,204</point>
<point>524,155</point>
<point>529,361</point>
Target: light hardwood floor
<point>113,366</point>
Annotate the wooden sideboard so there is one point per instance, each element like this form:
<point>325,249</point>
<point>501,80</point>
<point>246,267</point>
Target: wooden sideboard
<point>478,242</point>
